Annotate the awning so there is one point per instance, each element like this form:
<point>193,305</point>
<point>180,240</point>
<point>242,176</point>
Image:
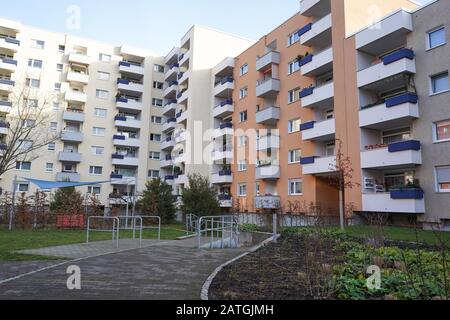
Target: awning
<point>42,184</point>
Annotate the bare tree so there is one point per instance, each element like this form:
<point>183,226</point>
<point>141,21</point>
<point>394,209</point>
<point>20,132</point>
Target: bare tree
<point>343,179</point>
<point>28,128</point>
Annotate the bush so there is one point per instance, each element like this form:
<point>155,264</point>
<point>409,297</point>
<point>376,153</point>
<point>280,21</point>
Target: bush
<point>157,200</point>
<point>199,197</point>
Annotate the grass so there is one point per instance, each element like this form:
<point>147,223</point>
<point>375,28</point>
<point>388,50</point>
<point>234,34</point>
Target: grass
<point>11,241</point>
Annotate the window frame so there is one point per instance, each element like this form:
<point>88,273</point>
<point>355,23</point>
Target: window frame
<point>295,182</point>
<point>433,83</point>
<point>430,33</point>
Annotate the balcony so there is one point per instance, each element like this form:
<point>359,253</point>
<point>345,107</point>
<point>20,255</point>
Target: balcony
<point>225,201</point>
<point>318,165</point>
<point>314,65</point>
<point>167,162</point>
<point>318,131</point>
<point>267,202</point>
<point>124,141</point>
<point>75,116</point>
<point>68,177</point>
<point>70,157</point>
<point>77,77</point>
<point>172,56</point>
<point>315,8</point>
<point>268,172</point>
<point>268,116</point>
<point>130,86</point>
<point>127,67</point>
<point>395,156</point>
<point>225,129</point>
<point>183,59</point>
<point>168,144</point>
<point>266,61</point>
<point>388,34</point>
<point>119,179</point>
<point>126,104</point>
<point>76,96</point>
<point>170,107</point>
<point>385,202</point>
<point>319,97</point>
<point>170,125</point>
<point>320,33</point>
<point>172,73</point>
<point>219,156</point>
<point>179,159</point>
<point>79,58</point>
<point>224,88</point>
<point>6,85</point>
<point>224,109</point>
<point>4,127</point>
<point>268,142</point>
<point>181,179</point>
<point>72,136</point>
<point>171,89</point>
<point>268,88</point>
<point>401,62</point>
<point>394,112</point>
<point>8,64</point>
<point>182,117</point>
<point>5,106</point>
<point>124,122</point>
<point>222,177</point>
<point>181,136</point>
<point>122,160</point>
<point>9,43</point>
<point>183,77</point>
<point>182,96</point>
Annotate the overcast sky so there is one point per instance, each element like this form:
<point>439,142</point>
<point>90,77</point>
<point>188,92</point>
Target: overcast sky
<point>157,25</point>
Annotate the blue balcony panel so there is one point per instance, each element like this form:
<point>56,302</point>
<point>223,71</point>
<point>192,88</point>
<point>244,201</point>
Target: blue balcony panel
<point>307,160</point>
<point>307,125</point>
<point>305,60</point>
<point>305,29</point>
<point>307,92</point>
<point>398,55</point>
<point>118,156</point>
<point>404,145</point>
<point>402,194</point>
<point>410,97</point>
<point>224,173</point>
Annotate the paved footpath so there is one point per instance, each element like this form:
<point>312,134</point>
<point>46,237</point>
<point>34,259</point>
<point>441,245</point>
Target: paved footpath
<point>159,271</point>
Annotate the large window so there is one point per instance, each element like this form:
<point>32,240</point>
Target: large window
<point>100,112</point>
<point>100,132</point>
<point>293,38</point>
<point>105,57</point>
<point>105,76</point>
<point>442,130</point>
<point>294,156</point>
<point>436,38</point>
<point>95,170</point>
<point>440,83</point>
<point>295,187</point>
<point>242,165</point>
<point>397,135</point>
<point>97,151</point>
<point>158,68</point>
<point>102,94</point>
<point>243,93</point>
<point>243,70</point>
<point>23,165</point>
<point>243,116</point>
<point>33,83</point>
<point>94,190</point>
<point>293,95</point>
<point>294,125</point>
<point>443,179</point>
<point>242,189</point>
<point>37,44</point>
<point>294,66</point>
<point>34,63</point>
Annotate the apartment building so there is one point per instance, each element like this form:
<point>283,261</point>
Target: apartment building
<point>187,109</point>
<point>105,100</point>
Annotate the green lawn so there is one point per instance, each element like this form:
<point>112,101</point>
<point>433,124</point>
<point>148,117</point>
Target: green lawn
<point>11,241</point>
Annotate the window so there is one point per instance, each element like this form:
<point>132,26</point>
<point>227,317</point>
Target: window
<point>33,63</point>
<point>443,179</point>
<point>242,189</point>
<point>158,68</point>
<point>105,76</point>
<point>440,83</point>
<point>155,137</point>
<point>294,156</point>
<point>293,95</point>
<point>100,112</point>
<point>243,93</point>
<point>31,103</point>
<point>157,102</point>
<point>436,38</point>
<point>153,174</point>
<point>51,146</point>
<point>158,85</point>
<point>243,70</point>
<point>330,149</point>
<point>294,66</point>
<point>22,187</point>
<point>95,170</point>
<point>55,106</point>
<point>442,130</point>
<point>157,120</point>
<point>37,44</point>
<point>295,187</point>
<point>329,114</point>
<point>102,94</point>
<point>49,167</point>
<point>28,123</point>
<point>105,57</point>
<point>97,151</point>
<point>100,132</point>
<point>242,141</point>
<point>59,67</point>
<point>61,48</point>
<point>33,83</point>
<point>293,38</point>
<point>94,190</point>
<point>294,125</point>
<point>155,155</point>
<point>23,165</point>
<point>242,165</point>
<point>53,126</point>
<point>58,87</point>
<point>397,135</point>
<point>243,116</point>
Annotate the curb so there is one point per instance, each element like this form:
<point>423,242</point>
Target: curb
<point>205,288</point>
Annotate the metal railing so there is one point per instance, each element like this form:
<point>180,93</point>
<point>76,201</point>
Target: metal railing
<point>219,232</point>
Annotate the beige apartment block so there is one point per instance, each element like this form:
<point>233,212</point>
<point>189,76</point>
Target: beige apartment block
<point>101,99</point>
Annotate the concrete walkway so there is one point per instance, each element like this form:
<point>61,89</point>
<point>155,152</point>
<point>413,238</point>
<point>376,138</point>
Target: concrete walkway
<point>166,270</point>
